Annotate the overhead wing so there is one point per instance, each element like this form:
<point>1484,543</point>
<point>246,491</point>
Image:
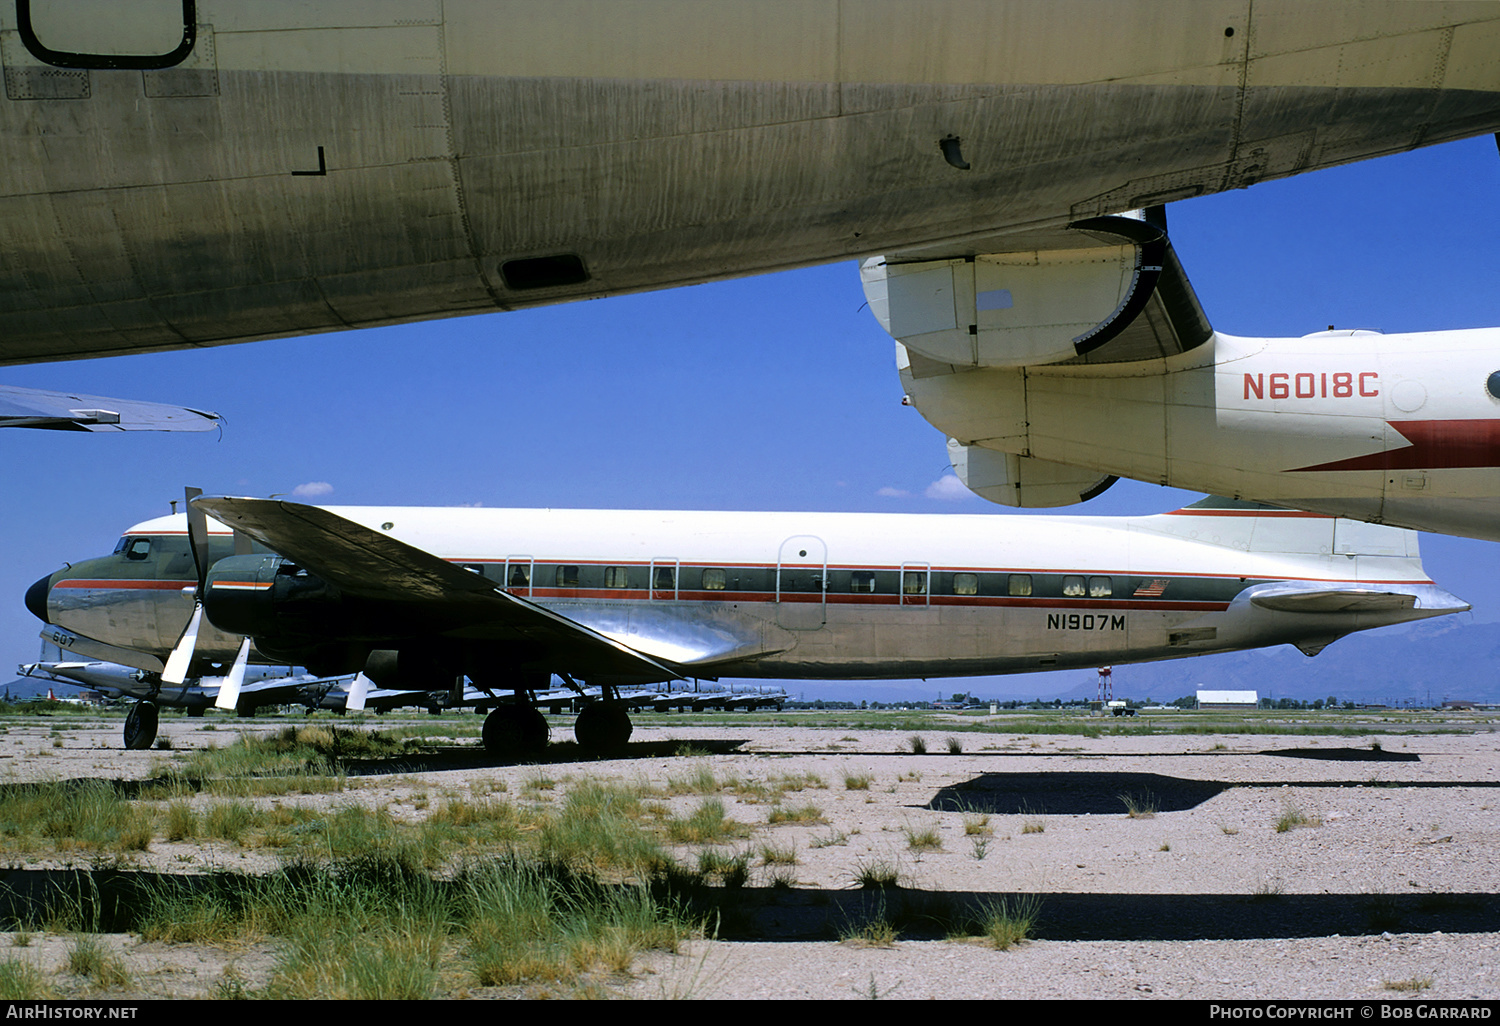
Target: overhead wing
<point>1100,290</point>
<point>68,411</point>
<point>374,566</point>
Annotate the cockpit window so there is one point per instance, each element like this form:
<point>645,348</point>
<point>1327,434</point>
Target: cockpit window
<point>137,548</point>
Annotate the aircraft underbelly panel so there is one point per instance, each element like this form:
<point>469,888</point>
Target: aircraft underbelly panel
<point>136,221</point>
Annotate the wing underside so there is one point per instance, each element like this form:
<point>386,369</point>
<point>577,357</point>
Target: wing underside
<point>381,570</point>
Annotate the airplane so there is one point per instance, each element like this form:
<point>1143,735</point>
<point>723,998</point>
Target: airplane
<point>1058,361</point>
<point>417,598</point>
<point>186,173</point>
<point>114,680</point>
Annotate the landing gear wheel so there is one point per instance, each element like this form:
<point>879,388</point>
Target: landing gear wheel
<point>603,727</point>
<point>140,726</point>
<point>514,730</point>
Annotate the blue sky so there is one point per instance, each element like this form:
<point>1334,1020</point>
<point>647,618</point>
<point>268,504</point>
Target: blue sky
<point>773,392</point>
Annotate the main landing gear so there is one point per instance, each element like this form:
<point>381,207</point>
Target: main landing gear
<point>603,727</point>
<point>514,729</point>
<point>140,726</point>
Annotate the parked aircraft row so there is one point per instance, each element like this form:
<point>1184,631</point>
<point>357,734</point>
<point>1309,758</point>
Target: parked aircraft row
<point>273,686</point>
<point>412,598</point>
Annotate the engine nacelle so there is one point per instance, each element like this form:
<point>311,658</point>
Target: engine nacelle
<point>266,596</point>
<point>1013,480</point>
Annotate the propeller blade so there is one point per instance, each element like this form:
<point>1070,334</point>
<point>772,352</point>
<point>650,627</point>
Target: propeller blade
<point>177,663</point>
<point>197,523</point>
<point>229,691</point>
<point>358,689</point>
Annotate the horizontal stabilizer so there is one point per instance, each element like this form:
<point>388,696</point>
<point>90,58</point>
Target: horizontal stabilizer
<point>68,411</point>
<point>1347,601</point>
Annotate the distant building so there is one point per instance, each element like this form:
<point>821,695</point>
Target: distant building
<point>1228,699</point>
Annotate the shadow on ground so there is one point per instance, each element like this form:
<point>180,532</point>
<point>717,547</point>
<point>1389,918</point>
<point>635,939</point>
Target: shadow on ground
<point>112,901</point>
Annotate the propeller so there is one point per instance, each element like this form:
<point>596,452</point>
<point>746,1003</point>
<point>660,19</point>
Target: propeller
<point>358,689</point>
<point>178,662</point>
<point>182,653</point>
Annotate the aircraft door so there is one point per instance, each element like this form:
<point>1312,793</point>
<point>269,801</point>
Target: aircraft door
<point>802,583</point>
<point>663,579</point>
<point>142,34</point>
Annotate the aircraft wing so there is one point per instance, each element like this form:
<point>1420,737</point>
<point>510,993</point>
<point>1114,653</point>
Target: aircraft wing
<point>67,411</point>
<point>375,567</point>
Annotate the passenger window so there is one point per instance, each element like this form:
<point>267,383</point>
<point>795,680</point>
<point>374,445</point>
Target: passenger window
<point>139,548</point>
<point>862,582</point>
<point>1100,587</point>
<point>914,582</point>
<point>1020,584</point>
<point>567,577</point>
<point>666,578</point>
<point>1073,586</point>
<point>713,580</point>
<point>615,577</point>
<point>520,576</point>
<point>966,584</point>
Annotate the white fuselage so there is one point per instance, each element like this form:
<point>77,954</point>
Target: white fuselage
<point>1398,429</point>
<point>847,596</point>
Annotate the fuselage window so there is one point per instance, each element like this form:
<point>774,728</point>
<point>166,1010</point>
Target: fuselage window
<point>567,577</point>
<point>139,548</point>
<point>1020,584</point>
<point>666,578</point>
<point>862,582</point>
<point>615,577</point>
<point>1100,587</point>
<point>914,582</point>
<point>1073,586</point>
<point>520,576</point>
<point>713,579</point>
<point>966,584</point>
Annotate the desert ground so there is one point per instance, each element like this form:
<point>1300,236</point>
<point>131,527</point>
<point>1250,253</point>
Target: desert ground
<point>1151,865</point>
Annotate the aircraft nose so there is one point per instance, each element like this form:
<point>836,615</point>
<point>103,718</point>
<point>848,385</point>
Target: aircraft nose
<point>36,598</point>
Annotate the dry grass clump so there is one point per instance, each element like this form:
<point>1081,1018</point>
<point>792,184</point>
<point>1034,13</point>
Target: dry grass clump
<point>858,781</point>
<point>1409,985</point>
<point>86,816</point>
<point>1006,922</point>
<point>1292,817</point>
<point>780,814</point>
<point>1141,806</point>
<point>917,744</point>
<point>707,824</point>
<point>923,838</point>
<point>90,958</point>
<point>22,981</point>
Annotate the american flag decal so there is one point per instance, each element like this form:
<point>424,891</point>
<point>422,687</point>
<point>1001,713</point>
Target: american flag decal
<point>1152,590</point>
